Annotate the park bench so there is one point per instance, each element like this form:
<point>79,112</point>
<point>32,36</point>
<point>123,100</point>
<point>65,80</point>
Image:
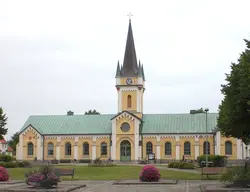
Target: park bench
<point>65,172</point>
<point>211,171</point>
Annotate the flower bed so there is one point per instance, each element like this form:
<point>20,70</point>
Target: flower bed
<point>43,177</point>
<point>149,173</point>
<point>4,176</point>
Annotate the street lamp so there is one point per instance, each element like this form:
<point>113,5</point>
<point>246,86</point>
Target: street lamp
<point>206,110</point>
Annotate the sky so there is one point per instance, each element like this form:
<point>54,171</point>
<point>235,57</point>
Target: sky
<point>57,56</point>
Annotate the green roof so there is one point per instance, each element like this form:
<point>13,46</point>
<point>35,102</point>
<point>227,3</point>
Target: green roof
<point>179,123</point>
<point>70,124</point>
<point>101,124</point>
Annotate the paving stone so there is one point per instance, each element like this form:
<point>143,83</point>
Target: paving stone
<point>59,188</point>
<point>138,182</point>
<point>222,188</point>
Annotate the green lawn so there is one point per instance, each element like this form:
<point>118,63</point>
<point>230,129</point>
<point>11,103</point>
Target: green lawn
<point>109,173</point>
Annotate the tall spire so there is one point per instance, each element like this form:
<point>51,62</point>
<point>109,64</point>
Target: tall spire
<point>118,70</point>
<point>130,67</point>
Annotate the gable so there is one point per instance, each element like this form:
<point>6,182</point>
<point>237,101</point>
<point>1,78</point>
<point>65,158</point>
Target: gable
<point>125,113</point>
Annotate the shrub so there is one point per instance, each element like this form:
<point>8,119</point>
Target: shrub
<point>239,176</point>
<point>43,177</point>
<point>101,164</point>
<point>5,158</point>
<point>181,165</point>
<point>218,160</point>
<point>27,164</point>
<point>20,164</point>
<point>4,176</point>
<point>10,165</point>
<point>149,173</point>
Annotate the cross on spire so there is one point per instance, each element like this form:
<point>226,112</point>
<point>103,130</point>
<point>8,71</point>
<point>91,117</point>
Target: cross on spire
<point>130,15</point>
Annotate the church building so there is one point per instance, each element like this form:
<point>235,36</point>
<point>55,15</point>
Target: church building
<point>128,135</point>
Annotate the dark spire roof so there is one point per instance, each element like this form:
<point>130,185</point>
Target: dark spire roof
<point>143,75</point>
<point>118,70</point>
<point>140,70</point>
<point>130,67</point>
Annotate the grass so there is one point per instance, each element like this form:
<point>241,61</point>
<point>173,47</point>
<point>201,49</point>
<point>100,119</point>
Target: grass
<point>109,173</point>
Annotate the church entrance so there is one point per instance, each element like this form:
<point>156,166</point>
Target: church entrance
<point>125,151</point>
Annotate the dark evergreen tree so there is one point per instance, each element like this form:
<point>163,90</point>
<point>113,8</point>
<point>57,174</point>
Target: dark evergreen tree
<point>234,110</point>
<point>90,112</point>
<point>14,141</point>
<point>3,122</point>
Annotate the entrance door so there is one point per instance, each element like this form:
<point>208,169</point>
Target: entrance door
<point>125,151</point>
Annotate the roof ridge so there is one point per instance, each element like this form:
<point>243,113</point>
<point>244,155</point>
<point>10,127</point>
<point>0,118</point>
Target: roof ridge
<point>69,115</point>
<point>175,113</point>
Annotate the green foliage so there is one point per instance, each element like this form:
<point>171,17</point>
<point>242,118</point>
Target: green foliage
<point>194,111</point>
<point>236,176</point>
<point>15,164</point>
<point>5,158</point>
<point>90,112</point>
<point>181,165</point>
<point>102,164</point>
<point>14,141</point>
<point>3,122</point>
<point>10,165</point>
<point>218,160</point>
<point>234,110</point>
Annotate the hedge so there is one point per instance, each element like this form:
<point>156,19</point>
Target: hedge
<point>218,160</point>
<point>14,164</point>
<point>101,165</point>
<point>181,165</point>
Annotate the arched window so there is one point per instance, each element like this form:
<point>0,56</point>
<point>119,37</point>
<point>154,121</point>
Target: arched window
<point>149,148</point>
<point>30,149</point>
<point>129,100</point>
<point>187,148</point>
<point>206,148</point>
<point>50,149</point>
<point>228,148</point>
<point>168,148</point>
<point>68,149</point>
<point>104,150</point>
<point>85,148</point>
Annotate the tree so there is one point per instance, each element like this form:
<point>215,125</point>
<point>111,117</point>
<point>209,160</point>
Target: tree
<point>90,112</point>
<point>234,110</point>
<point>14,141</point>
<point>3,122</point>
<point>194,111</point>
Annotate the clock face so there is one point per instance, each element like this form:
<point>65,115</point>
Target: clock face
<point>129,81</point>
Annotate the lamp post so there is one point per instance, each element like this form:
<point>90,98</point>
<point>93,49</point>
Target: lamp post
<point>206,110</point>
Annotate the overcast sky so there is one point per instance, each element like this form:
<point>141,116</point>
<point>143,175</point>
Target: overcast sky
<point>57,56</point>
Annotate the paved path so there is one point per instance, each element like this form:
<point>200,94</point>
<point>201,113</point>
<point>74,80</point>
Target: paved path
<point>107,186</point>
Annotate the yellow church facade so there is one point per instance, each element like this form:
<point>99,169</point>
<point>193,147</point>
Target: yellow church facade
<point>129,135</point>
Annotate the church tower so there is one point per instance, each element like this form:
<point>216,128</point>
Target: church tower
<point>130,79</point>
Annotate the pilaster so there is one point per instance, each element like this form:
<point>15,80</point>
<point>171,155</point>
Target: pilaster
<point>113,153</point>
<point>39,147</point>
<point>158,147</point>
<point>58,146</point>
<point>177,147</point>
<point>218,143</point>
<point>20,151</point>
<point>197,147</point>
<point>94,148</point>
<point>119,100</point>
<point>76,148</point>
<point>137,123</point>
